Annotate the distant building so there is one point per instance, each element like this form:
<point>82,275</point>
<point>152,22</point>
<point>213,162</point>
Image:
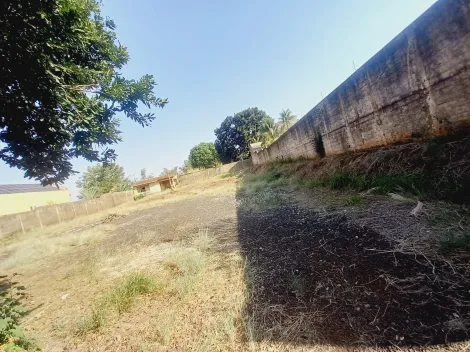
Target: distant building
<point>20,198</point>
<point>156,184</point>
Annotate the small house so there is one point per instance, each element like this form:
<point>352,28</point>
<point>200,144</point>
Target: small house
<point>155,184</point>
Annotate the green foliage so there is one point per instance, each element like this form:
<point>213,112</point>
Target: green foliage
<point>262,199</point>
<point>270,131</point>
<point>119,299</point>
<point>286,120</point>
<point>456,243</point>
<point>144,176</point>
<point>186,167</point>
<point>413,183</point>
<point>61,88</point>
<point>123,295</point>
<point>172,171</point>
<point>400,182</point>
<point>236,133</point>
<point>203,156</point>
<point>353,200</point>
<point>139,196</point>
<point>259,192</point>
<point>101,179</point>
<point>11,336</point>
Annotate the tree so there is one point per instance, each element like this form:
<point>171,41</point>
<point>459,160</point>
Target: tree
<point>270,131</point>
<point>61,86</point>
<point>185,168</point>
<point>172,171</point>
<point>101,179</point>
<point>235,134</point>
<point>144,176</point>
<point>204,156</point>
<point>286,120</point>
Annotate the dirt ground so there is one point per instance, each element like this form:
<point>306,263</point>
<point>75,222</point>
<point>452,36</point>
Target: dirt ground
<point>292,270</point>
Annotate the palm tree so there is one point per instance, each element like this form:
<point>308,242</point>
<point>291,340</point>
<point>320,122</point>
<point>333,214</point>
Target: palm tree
<point>269,131</point>
<point>286,120</point>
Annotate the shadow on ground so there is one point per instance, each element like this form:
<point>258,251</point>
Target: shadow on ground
<point>316,278</point>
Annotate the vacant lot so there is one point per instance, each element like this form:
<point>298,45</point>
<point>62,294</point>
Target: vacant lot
<point>257,263</point>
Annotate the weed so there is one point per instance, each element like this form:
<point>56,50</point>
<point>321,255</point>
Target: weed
<point>298,285</point>
<point>139,196</point>
<point>407,183</point>
<point>456,243</point>
<point>95,321</point>
<point>353,200</point>
<point>261,201</point>
<point>185,265</point>
<point>203,241</point>
<point>119,299</point>
<point>163,324</point>
<point>345,179</point>
<point>122,296</point>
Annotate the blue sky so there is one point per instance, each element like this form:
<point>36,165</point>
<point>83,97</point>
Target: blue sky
<point>214,58</point>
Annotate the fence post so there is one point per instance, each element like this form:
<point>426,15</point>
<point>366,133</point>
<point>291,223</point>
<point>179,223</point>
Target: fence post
<point>39,218</point>
<point>21,222</point>
<point>58,215</point>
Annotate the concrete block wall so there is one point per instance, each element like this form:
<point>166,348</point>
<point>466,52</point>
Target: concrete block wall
<point>54,214</point>
<point>417,86</point>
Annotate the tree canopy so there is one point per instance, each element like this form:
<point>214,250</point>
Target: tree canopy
<point>61,88</point>
<point>172,171</point>
<point>235,134</point>
<point>144,176</point>
<point>203,156</point>
<point>270,131</point>
<point>286,120</point>
<point>101,179</point>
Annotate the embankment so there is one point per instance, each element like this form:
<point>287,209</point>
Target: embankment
<point>437,169</point>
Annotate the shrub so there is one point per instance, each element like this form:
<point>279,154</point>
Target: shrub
<point>139,196</point>
<point>11,336</point>
<point>353,200</point>
<point>456,243</point>
<point>345,179</point>
<point>409,183</point>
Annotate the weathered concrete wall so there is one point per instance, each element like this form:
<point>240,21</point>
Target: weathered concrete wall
<point>417,86</point>
<point>223,169</point>
<point>53,214</point>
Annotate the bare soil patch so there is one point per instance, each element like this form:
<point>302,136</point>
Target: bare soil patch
<point>321,279</point>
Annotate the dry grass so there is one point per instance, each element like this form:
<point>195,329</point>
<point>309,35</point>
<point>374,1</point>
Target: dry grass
<point>20,249</point>
<point>138,294</point>
<point>28,248</point>
<point>199,305</point>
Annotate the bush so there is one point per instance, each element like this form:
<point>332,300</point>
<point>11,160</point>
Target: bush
<point>11,336</point>
<point>345,179</point>
<point>456,243</point>
<point>353,200</point>
<point>139,196</point>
